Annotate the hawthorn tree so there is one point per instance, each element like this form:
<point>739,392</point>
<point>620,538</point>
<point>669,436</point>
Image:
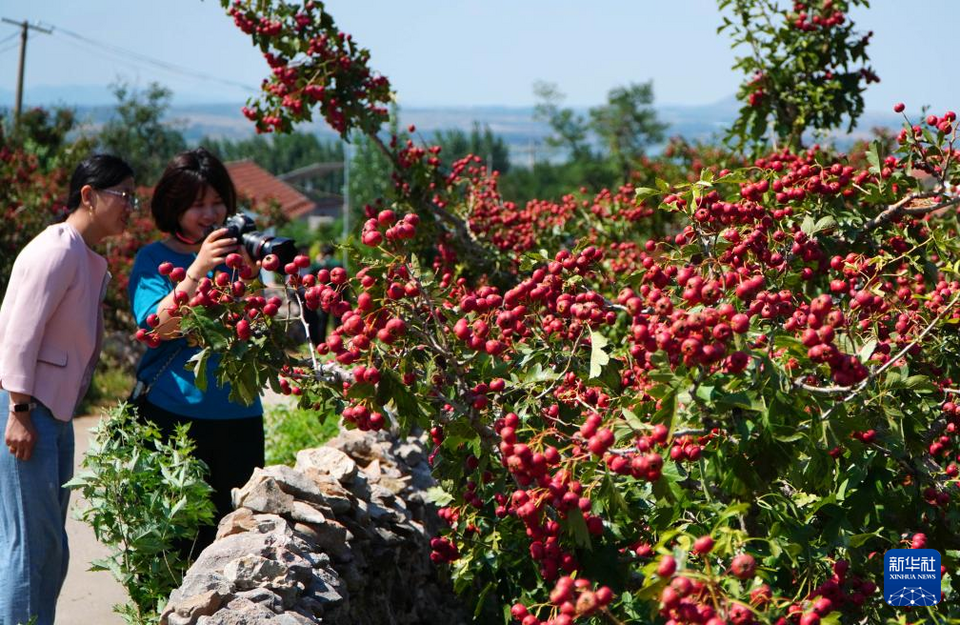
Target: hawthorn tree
<point>729,423</point>
<point>806,69</point>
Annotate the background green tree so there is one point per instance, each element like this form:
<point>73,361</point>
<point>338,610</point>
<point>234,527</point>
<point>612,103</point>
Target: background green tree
<point>481,141</point>
<point>138,132</point>
<point>806,69</point>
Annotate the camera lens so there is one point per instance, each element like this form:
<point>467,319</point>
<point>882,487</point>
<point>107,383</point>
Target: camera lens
<point>259,245</point>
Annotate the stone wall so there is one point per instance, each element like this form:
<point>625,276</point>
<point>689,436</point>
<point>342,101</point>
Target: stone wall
<point>343,537</point>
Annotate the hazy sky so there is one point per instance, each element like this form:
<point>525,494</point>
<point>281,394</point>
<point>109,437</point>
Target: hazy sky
<point>453,52</point>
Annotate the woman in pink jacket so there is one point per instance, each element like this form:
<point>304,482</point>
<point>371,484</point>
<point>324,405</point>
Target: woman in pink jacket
<point>50,331</point>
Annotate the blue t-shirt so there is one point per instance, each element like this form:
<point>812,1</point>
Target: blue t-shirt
<point>175,390</point>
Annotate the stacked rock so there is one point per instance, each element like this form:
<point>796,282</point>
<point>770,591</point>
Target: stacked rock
<point>342,537</point>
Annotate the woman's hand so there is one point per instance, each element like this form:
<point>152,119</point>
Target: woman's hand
<point>213,252</point>
<point>20,436</point>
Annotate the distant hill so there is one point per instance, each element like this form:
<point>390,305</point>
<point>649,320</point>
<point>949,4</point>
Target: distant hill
<point>523,134</point>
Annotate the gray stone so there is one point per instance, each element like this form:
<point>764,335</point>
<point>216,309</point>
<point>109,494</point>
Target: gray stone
<point>381,514</point>
<point>294,618</point>
<point>263,596</point>
<point>294,482</point>
<point>389,538</point>
<point>422,478</point>
<point>411,454</point>
<point>360,487</point>
<point>395,485</point>
<point>253,571</point>
<point>240,520</point>
<point>189,611</point>
<point>372,471</point>
<point>326,586</point>
<point>339,499</point>
<point>199,581</point>
<point>381,495</point>
<point>330,537</point>
<point>305,513</point>
<point>215,557</point>
<point>263,494</point>
<point>241,612</point>
<point>328,460</point>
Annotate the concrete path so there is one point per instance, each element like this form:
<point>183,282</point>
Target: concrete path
<point>86,597</point>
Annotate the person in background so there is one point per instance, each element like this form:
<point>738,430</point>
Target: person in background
<point>51,326</point>
<point>194,195</point>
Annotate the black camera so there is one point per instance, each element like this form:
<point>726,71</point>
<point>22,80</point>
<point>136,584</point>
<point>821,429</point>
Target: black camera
<point>258,244</point>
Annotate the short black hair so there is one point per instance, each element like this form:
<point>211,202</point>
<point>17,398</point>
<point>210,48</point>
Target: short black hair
<point>327,249</point>
<point>100,171</point>
<point>185,179</point>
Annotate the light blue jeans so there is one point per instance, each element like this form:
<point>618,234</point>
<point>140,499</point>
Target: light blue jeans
<point>33,513</point>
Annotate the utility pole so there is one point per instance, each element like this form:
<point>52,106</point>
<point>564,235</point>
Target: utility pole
<point>24,29</point>
<point>346,200</point>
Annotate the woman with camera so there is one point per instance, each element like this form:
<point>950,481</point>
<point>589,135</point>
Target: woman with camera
<point>51,326</point>
<point>194,196</point>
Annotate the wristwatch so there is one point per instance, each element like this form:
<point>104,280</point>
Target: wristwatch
<point>25,407</point>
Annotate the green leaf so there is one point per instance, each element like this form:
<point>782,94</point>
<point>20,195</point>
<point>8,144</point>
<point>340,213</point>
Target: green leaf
<point>825,223</point>
<point>873,156</point>
<point>577,527</point>
<point>200,367</point>
<point>438,496</point>
<point>598,357</point>
<point>867,350</point>
<point>632,420</point>
<point>537,373</point>
<point>643,193</point>
<point>858,540</point>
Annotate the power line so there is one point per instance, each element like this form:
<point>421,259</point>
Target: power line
<point>6,39</point>
<point>128,56</point>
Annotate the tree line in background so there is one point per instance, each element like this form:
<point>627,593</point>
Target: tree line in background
<point>599,150</point>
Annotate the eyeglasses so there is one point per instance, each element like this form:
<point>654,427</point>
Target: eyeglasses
<point>128,196</point>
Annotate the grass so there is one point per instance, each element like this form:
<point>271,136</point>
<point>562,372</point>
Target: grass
<point>289,429</point>
<point>109,385</point>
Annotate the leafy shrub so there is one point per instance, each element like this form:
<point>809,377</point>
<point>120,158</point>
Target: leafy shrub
<point>145,497</point>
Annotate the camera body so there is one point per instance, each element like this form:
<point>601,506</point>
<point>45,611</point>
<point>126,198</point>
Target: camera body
<point>243,229</point>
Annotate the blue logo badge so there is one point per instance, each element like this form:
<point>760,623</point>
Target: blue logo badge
<point>911,577</point>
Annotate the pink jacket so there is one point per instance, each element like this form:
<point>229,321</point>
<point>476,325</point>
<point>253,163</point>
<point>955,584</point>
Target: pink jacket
<point>51,323</point>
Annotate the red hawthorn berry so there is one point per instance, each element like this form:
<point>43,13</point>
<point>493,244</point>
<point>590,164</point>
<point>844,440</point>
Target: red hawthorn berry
<point>234,260</point>
<point>604,595</point>
<point>703,545</point>
<point>669,597</point>
<point>740,323</point>
<point>243,329</point>
<point>177,274</point>
<point>270,262</point>
<point>743,566</point>
<point>667,566</point>
<point>165,268</point>
<point>898,107</point>
<point>810,618</point>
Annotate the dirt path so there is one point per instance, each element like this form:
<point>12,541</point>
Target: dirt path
<point>86,597</point>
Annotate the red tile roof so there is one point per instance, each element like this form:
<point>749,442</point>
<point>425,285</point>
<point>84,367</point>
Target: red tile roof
<point>259,185</point>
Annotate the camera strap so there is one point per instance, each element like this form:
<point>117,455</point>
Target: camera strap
<point>141,388</point>
<point>185,240</point>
